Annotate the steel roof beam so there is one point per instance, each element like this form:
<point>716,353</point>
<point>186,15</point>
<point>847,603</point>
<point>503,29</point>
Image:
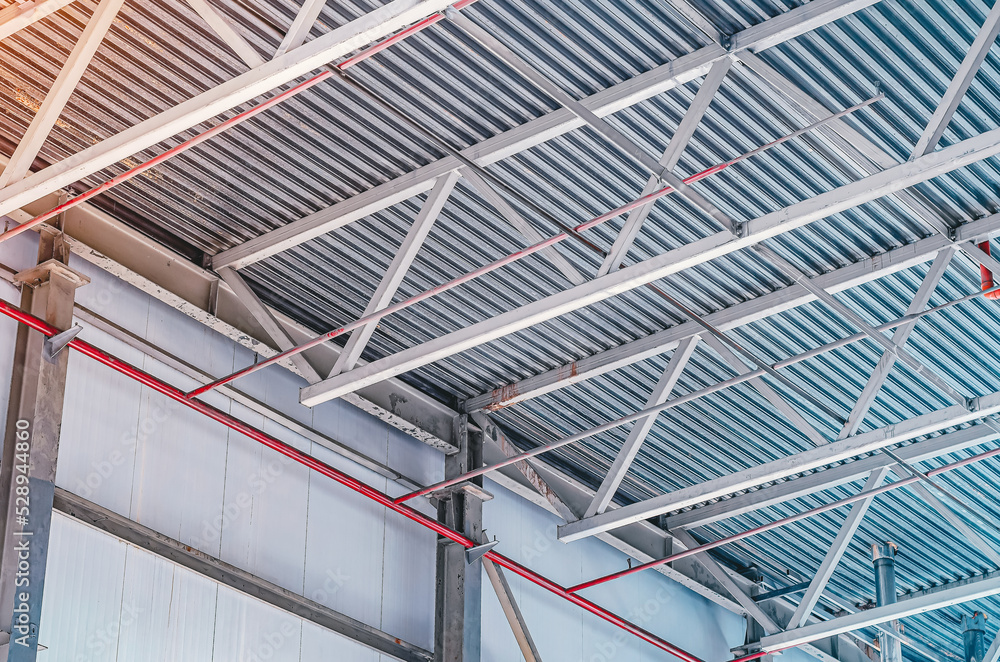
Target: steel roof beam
<point>671,155</point>
<point>697,252</point>
<point>640,429</point>
<point>686,68</point>
<point>899,338</point>
<point>396,272</point>
<point>19,16</point>
<point>828,478</point>
<point>833,555</point>
<point>784,467</point>
<point>224,28</point>
<point>973,590</point>
<point>967,70</point>
<point>60,91</point>
<point>377,24</point>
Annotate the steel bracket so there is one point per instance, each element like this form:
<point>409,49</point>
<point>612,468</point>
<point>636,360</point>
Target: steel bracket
<point>473,554</point>
<point>57,343</point>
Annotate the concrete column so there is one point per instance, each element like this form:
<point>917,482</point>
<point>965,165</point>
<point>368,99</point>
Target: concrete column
<point>973,633</point>
<point>458,595</point>
<point>31,447</point>
<point>883,557</point>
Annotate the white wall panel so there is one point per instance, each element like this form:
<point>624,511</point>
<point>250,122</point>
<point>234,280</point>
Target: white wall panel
<point>251,631</point>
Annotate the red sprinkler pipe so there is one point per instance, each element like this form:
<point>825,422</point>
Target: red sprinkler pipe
<point>513,257</point>
<point>986,276</point>
<point>354,484</point>
<point>233,121</point>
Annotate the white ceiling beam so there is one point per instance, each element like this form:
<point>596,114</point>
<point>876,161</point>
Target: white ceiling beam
<point>772,396</point>
<point>784,467</point>
<point>343,40</point>
<point>227,32</point>
<point>640,429</point>
<point>950,596</point>
<point>829,478</point>
<point>671,155</point>
<point>959,85</point>
<point>61,90</point>
<point>618,97</point>
<point>19,16</point>
<point>396,272</point>
<point>301,26</point>
<point>698,252</point>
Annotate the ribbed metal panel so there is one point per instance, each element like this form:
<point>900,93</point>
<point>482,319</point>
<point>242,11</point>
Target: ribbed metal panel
<point>329,144</point>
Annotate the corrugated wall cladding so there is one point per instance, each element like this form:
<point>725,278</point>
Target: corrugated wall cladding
<point>330,144</point>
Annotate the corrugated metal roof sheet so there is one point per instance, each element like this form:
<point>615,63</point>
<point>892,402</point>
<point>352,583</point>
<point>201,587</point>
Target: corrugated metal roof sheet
<point>329,144</point>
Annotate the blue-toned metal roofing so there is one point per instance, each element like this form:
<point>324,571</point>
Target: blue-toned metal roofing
<point>329,144</point>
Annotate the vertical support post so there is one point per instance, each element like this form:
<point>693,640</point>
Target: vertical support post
<point>883,557</point>
<point>459,587</point>
<point>755,629</point>
<point>973,637</point>
<point>31,446</point>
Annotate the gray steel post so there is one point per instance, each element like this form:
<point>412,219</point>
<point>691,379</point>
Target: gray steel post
<point>31,446</point>
<point>458,595</point>
<point>883,556</point>
<point>973,633</point>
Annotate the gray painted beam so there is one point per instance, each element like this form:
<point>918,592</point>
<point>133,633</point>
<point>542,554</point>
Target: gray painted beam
<point>513,613</point>
<point>227,32</point>
<point>228,575</point>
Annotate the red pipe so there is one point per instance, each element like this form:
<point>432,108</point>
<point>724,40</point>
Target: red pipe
<point>347,481</point>
<point>233,121</point>
<point>513,257</point>
<point>985,275</point>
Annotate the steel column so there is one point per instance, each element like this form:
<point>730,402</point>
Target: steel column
<point>883,557</point>
<point>31,446</point>
<point>459,589</point>
<point>973,633</point>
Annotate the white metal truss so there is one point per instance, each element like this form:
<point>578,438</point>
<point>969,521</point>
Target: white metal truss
<point>338,42</point>
<point>394,275</point>
<point>301,25</point>
<point>967,70</point>
<point>60,91</point>
<point>640,429</point>
<point>686,68</point>
<point>19,16</point>
<point>697,252</point>
<point>784,467</point>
